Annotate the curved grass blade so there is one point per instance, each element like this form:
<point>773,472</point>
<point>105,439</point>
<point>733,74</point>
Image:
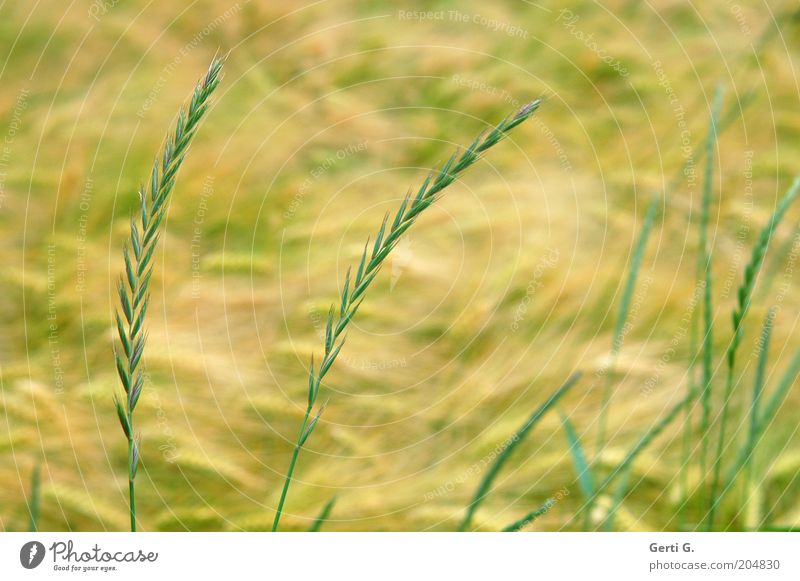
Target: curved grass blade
<point>486,483</point>
<point>323,516</point>
<point>530,517</point>
<point>582,469</point>
<point>758,389</point>
<point>354,289</point>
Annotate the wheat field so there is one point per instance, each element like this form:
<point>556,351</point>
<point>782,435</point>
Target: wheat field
<point>328,113</point>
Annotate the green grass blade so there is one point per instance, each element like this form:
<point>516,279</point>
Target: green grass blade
<point>761,372</point>
<point>510,445</point>
<point>774,403</point>
<point>744,296</point>
<point>530,517</point>
<point>624,310</point>
<point>616,501</point>
<point>582,469</point>
<point>323,516</point>
<point>780,256</point>
<point>35,500</point>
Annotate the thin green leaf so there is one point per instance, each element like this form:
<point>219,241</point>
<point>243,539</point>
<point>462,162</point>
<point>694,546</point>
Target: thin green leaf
<point>582,468</point>
<point>323,516</point>
<point>510,445</point>
<point>530,517</point>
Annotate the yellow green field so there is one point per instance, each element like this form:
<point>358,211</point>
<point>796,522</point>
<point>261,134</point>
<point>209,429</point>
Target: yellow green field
<point>328,113</point>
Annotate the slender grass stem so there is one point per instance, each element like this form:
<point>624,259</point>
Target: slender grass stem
<point>372,259</point>
<point>35,500</point>
<point>290,471</point>
<point>134,285</point>
<point>744,296</point>
<point>755,406</point>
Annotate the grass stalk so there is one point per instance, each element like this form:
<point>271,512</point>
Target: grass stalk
<point>755,406</point>
<point>509,446</point>
<point>355,287</point>
<point>134,285</point>
<point>744,295</point>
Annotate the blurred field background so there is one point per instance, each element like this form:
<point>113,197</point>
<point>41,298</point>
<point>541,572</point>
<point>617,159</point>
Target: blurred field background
<point>328,113</point>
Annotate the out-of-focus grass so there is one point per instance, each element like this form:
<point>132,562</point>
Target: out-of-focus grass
<point>328,113</point>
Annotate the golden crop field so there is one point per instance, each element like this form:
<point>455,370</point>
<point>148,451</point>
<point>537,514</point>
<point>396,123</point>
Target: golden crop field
<point>328,113</point>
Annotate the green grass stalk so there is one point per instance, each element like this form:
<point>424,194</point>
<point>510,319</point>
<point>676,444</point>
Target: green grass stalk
<point>744,296</point>
<point>372,259</point>
<point>134,285</point>
<point>755,406</point>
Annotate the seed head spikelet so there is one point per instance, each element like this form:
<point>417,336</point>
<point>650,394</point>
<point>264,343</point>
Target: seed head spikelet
<point>134,284</point>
